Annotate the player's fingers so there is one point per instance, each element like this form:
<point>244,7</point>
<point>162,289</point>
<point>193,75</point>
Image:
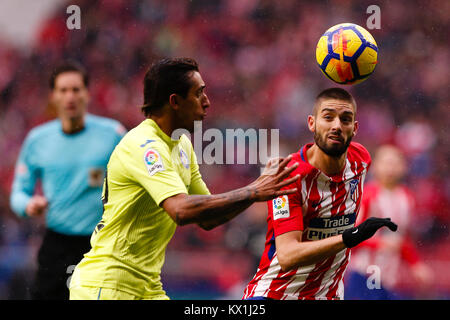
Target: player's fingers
<point>391,225</point>
<point>274,162</point>
<point>381,222</point>
<point>377,221</point>
<point>285,192</point>
<point>287,181</point>
<point>284,163</point>
<point>272,166</point>
<point>287,171</point>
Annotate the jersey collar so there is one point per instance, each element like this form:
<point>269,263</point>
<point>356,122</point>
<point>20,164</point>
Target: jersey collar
<point>171,142</point>
<point>336,178</point>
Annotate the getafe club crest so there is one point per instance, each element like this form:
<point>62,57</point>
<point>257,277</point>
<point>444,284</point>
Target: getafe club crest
<point>184,159</point>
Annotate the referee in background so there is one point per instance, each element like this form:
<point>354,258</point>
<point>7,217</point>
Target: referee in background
<point>68,156</point>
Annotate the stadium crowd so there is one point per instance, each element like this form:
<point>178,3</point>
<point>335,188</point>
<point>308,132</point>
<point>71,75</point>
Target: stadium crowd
<point>257,58</point>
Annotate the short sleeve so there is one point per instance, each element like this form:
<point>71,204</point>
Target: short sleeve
<point>197,186</point>
<point>360,154</point>
<point>286,211</point>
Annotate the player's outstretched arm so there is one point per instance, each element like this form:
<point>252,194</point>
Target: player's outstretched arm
<point>292,252</point>
<point>210,211</point>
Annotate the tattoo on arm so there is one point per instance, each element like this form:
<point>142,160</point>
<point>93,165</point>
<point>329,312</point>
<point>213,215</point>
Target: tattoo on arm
<point>218,209</point>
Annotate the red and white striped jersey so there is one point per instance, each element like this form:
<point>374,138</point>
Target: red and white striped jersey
<point>398,204</point>
<point>324,206</point>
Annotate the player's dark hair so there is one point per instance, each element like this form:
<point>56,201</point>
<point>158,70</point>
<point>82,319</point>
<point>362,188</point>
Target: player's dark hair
<point>68,66</point>
<point>166,77</point>
<point>335,93</point>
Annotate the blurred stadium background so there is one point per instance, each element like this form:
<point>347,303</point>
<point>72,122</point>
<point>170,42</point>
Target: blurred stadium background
<point>258,60</point>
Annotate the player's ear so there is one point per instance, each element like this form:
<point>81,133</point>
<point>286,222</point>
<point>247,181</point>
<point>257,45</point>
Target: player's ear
<point>355,128</point>
<point>174,101</point>
<point>52,99</point>
<point>311,123</point>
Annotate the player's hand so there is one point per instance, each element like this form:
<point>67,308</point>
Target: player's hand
<point>36,206</point>
<point>273,178</point>
<point>354,236</point>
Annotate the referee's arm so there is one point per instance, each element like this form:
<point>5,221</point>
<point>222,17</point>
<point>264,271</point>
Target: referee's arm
<point>22,201</point>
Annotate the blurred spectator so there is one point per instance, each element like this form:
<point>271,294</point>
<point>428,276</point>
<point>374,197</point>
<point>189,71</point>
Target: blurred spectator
<point>390,253</point>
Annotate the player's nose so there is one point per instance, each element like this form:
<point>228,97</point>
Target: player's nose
<point>206,104</point>
<point>336,125</point>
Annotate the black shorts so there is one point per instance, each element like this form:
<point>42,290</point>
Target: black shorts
<point>57,257</point>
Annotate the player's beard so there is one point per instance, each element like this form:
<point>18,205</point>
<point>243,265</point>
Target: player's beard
<point>333,151</point>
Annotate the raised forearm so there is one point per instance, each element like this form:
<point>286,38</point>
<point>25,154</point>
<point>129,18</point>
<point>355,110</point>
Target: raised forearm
<point>217,221</point>
<point>212,210</point>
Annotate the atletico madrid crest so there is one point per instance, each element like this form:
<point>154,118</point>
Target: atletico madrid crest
<point>354,189</point>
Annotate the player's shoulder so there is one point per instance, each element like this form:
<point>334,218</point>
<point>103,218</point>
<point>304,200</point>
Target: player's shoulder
<point>357,152</point>
<point>142,138</point>
<point>185,142</point>
<point>304,168</point>
<point>105,124</point>
<point>44,130</point>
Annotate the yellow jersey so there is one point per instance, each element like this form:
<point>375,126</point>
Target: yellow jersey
<point>129,243</point>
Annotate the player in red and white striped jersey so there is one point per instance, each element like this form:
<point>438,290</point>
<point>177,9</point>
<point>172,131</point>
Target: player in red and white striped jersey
<point>310,232</point>
<point>386,196</point>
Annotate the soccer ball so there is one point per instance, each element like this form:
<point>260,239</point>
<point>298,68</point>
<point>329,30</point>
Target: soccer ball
<point>347,53</point>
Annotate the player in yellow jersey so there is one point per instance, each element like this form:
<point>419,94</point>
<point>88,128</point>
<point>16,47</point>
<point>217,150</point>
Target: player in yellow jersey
<point>153,184</point>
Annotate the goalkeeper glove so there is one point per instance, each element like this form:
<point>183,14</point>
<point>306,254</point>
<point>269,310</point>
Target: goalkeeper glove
<point>365,230</point>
